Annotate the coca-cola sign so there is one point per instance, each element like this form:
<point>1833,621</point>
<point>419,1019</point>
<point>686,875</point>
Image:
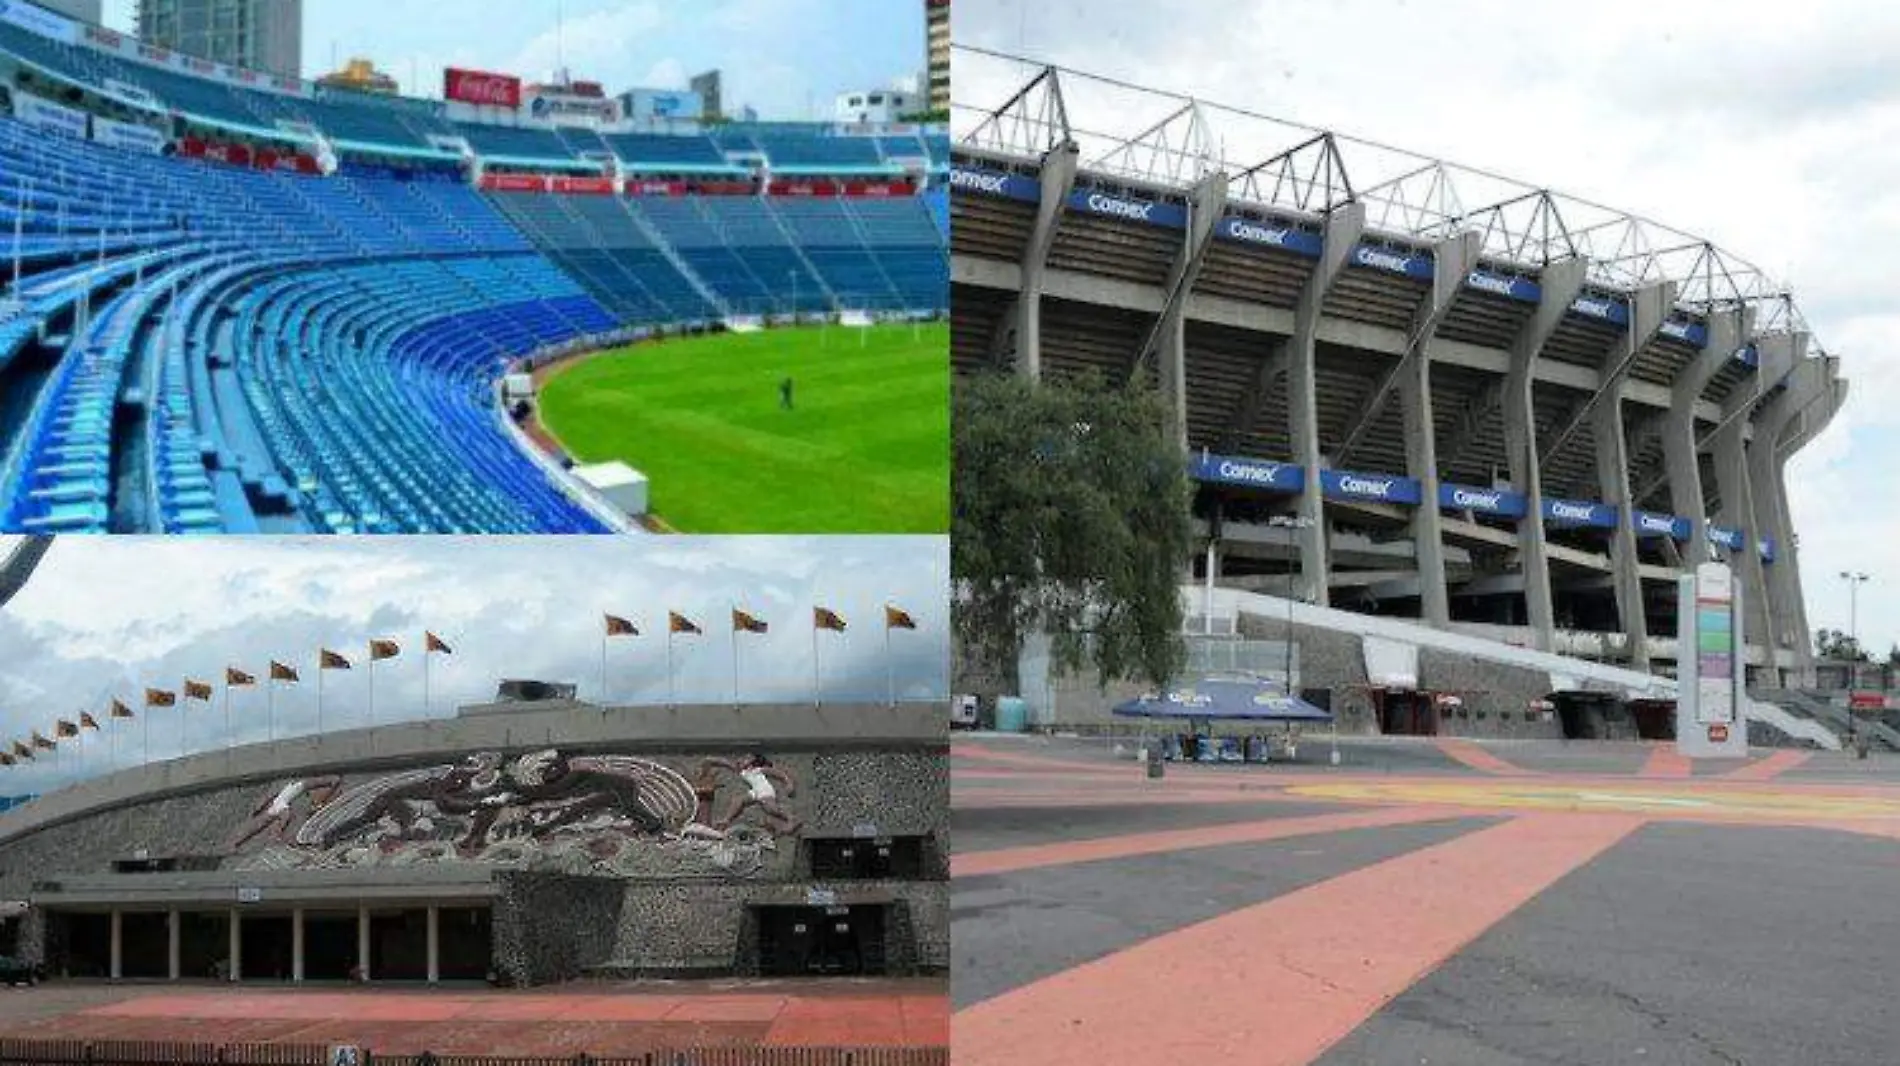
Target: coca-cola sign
<point>481,88</point>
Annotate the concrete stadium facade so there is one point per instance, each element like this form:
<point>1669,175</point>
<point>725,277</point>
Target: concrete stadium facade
<point>1484,419</point>
<point>524,843</point>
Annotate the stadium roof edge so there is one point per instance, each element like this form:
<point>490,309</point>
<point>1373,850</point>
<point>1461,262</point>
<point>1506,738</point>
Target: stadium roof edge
<point>1306,171</point>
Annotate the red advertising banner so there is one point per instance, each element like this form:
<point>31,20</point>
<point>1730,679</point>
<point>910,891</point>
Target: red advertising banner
<point>1867,701</point>
<point>590,186</point>
<point>878,189</point>
<point>803,188</point>
<point>481,88</point>
<point>656,188</point>
<point>725,188</point>
<point>515,182</point>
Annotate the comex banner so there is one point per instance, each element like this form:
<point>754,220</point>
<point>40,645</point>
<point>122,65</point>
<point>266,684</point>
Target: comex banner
<point>47,115</point>
<point>1576,513</point>
<point>1152,212</point>
<point>1504,503</point>
<point>1371,488</point>
<point>1262,474</point>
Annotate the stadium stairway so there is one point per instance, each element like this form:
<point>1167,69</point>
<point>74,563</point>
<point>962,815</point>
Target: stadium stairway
<point>1820,708</point>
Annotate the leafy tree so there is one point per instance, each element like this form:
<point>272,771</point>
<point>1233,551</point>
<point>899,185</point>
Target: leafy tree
<point>1837,645</point>
<point>1071,519</point>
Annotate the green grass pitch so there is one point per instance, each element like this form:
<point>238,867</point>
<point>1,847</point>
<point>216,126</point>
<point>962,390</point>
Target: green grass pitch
<point>865,449</point>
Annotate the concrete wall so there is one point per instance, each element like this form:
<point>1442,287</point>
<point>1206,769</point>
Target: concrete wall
<point>684,927</point>
<point>505,728</point>
<point>553,927</point>
<point>902,791</point>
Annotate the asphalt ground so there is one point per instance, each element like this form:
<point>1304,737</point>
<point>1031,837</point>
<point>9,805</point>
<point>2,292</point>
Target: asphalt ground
<point>1424,902</point>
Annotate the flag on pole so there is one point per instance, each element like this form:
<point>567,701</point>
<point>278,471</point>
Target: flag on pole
<point>433,643</point>
<point>236,678</point>
<point>280,672</point>
<point>383,649</point>
<point>62,728</point>
<point>21,751</point>
<point>6,758</point>
<point>329,660</point>
<point>746,623</point>
<point>158,697</point>
<point>87,721</point>
<point>679,623</point>
<point>896,618</point>
<point>120,710</point>
<point>42,742</point>
<point>620,627</point>
<point>826,618</point>
<point>198,690</point>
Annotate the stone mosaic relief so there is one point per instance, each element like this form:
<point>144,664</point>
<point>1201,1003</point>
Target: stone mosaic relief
<point>602,814</point>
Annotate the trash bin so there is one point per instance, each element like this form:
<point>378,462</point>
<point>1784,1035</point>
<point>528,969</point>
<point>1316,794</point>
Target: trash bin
<point>1155,769</point>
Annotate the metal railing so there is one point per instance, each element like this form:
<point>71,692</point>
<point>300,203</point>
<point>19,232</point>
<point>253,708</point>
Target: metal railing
<point>144,1052</point>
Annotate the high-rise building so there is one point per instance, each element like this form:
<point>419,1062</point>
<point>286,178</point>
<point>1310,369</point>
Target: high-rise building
<point>937,52</point>
<point>263,35</point>
<point>84,10</point>
<point>707,86</point>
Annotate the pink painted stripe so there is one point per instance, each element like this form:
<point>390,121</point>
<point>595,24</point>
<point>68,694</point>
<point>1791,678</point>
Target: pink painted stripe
<point>1278,983</point>
<point>1068,852</point>
<point>1476,757</point>
<point>1665,761</point>
<point>1773,766</point>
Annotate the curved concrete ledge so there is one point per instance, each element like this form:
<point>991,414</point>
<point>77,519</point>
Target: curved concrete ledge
<point>571,726</point>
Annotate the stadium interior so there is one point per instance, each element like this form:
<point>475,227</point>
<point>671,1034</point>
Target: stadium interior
<point>235,303</point>
<point>1407,389</point>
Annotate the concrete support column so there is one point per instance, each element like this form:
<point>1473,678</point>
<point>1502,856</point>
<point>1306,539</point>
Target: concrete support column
<point>1738,507</point>
<point>1649,306</point>
<point>174,929</point>
<point>435,944</point>
<point>1561,281</point>
<point>296,945</point>
<point>237,945</point>
<point>1343,229</point>
<point>1205,209</point>
<point>1727,330</point>
<point>1058,178</point>
<point>1613,478</point>
<point>1808,386</point>
<point>1452,261</point>
<point>362,939</point>
<point>117,969</point>
<point>1812,422</point>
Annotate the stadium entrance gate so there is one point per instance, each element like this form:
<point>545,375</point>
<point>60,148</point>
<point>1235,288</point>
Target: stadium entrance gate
<point>1406,712</point>
<point>839,941</point>
<point>271,944</point>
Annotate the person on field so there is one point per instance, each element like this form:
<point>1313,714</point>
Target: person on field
<point>785,394</point>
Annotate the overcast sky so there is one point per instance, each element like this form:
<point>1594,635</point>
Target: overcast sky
<point>1771,129</point>
<point>784,57</point>
<point>110,616</point>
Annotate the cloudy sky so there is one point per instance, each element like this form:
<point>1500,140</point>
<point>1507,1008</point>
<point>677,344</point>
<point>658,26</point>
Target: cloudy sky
<point>110,616</point>
<point>783,57</point>
<point>1772,131</point>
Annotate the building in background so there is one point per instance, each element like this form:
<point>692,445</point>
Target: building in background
<point>84,10</point>
<point>877,106</point>
<point>707,86</point>
<point>937,51</point>
<point>262,35</point>
<point>362,76</point>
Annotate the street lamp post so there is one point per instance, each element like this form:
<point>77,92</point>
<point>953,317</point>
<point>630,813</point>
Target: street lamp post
<point>1855,580</point>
